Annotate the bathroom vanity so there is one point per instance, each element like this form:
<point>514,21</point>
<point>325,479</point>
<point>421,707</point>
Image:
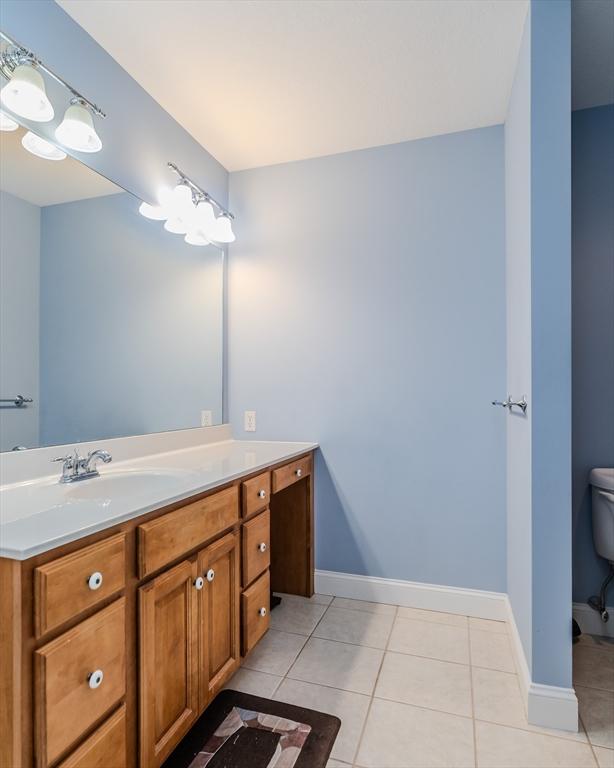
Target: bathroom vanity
<point>113,642</point>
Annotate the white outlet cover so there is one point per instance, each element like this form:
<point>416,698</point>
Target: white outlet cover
<point>206,419</point>
<point>249,421</point>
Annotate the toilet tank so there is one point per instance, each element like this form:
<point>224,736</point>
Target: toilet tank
<point>602,481</point>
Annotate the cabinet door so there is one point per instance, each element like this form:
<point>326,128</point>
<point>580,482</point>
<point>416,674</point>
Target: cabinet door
<point>218,564</point>
<point>168,688</point>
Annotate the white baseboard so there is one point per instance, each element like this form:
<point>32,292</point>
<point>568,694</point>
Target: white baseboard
<point>590,621</point>
<point>413,594</point>
<point>546,705</point>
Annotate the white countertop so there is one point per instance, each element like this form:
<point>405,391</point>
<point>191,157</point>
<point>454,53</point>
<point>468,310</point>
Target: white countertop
<point>41,514</point>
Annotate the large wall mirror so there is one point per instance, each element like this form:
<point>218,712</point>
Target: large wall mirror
<point>110,325</point>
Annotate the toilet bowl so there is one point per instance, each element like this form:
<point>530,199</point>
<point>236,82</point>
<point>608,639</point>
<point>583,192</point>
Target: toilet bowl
<point>602,481</point>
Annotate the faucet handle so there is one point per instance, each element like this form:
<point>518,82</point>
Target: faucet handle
<point>67,458</point>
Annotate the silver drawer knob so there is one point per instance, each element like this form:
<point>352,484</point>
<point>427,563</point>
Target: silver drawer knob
<point>262,494</point>
<point>262,612</point>
<point>210,574</point>
<point>262,546</point>
<point>95,580</point>
<point>94,679</point>
<point>199,582</point>
<point>299,472</point>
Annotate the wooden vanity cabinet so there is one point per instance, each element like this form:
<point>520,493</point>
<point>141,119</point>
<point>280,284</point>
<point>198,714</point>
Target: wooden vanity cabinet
<point>218,622</point>
<point>164,605</point>
<point>168,660</point>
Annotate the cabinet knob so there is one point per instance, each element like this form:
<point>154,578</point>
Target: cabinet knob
<point>95,580</point>
<point>299,472</point>
<point>199,582</point>
<point>210,574</point>
<point>94,679</point>
<point>262,546</point>
<point>262,494</point>
<point>262,612</point>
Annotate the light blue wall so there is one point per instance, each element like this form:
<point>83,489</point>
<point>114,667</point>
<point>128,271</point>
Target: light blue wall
<point>538,211</point>
<point>593,328</point>
<point>367,312</point>
<point>19,302</point>
<point>138,136</point>
<point>131,324</point>
<point>551,339</point>
<point>518,303</point>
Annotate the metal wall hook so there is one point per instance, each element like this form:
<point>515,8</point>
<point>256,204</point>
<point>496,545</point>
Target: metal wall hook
<point>511,403</point>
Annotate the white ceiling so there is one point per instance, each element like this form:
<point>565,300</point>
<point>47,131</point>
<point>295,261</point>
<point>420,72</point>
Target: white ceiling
<point>592,53</point>
<point>268,81</point>
<point>46,182</point>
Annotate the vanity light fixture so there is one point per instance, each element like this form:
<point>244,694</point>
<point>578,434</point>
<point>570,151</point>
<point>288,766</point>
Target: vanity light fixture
<point>7,123</point>
<point>41,147</point>
<point>190,211</point>
<point>25,95</point>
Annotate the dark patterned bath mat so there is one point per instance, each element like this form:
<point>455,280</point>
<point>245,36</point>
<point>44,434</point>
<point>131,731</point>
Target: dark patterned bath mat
<point>242,731</point>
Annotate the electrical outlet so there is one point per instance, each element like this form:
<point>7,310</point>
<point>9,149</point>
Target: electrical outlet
<point>249,421</point>
<point>206,419</point>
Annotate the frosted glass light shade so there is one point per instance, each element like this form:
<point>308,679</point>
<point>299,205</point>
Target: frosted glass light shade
<point>178,201</point>
<point>180,209</point>
<point>222,231</point>
<point>41,147</point>
<point>155,212</point>
<point>76,131</point>
<point>205,216</point>
<point>7,123</point>
<point>176,225</point>
<point>25,95</point>
<point>196,237</point>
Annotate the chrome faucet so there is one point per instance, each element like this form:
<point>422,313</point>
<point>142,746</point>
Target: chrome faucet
<point>75,467</point>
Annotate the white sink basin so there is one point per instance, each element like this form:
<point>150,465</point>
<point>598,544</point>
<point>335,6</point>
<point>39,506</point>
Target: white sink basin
<point>125,483</point>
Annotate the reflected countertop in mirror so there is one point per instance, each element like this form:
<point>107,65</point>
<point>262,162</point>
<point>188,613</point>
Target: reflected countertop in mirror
<point>109,324</point>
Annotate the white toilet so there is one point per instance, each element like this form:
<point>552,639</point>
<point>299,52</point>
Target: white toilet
<point>602,481</point>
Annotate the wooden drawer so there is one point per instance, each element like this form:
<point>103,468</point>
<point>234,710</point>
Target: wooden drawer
<point>67,586</point>
<point>291,473</point>
<point>256,536</point>
<point>168,537</point>
<point>256,493</point>
<point>105,748</point>
<point>67,701</point>
<point>253,624</point>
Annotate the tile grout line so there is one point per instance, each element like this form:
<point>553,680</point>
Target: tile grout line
<point>302,648</point>
<point>372,697</point>
<point>590,743</point>
<point>475,737</point>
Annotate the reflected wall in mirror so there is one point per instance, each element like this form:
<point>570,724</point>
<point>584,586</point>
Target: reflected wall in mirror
<point>111,325</point>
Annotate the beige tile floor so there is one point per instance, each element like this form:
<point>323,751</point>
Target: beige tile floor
<point>420,689</point>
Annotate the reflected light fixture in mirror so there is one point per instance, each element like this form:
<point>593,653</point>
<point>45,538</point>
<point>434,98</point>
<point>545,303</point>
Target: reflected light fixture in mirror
<point>76,131</point>
<point>41,147</point>
<point>7,123</point>
<point>153,212</point>
<point>25,94</point>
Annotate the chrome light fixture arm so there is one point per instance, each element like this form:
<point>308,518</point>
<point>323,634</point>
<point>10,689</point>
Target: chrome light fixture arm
<point>19,54</point>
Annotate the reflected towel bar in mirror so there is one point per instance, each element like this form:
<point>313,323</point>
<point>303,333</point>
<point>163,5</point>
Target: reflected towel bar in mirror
<point>18,401</point>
